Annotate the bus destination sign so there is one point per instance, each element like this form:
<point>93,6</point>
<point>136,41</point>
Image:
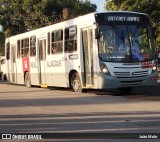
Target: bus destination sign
<point>122,18</point>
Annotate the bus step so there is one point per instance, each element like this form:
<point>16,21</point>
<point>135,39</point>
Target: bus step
<point>43,85</point>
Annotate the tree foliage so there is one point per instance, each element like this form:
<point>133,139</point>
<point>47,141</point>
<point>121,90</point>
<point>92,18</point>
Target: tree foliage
<point>17,16</point>
<point>2,40</point>
<point>113,4</point>
<point>151,7</point>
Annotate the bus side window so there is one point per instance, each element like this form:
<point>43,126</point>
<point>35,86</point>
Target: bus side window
<point>49,42</point>
<point>33,46</point>
<point>18,49</point>
<point>8,51</point>
<point>57,42</point>
<point>71,39</point>
<point>25,47</point>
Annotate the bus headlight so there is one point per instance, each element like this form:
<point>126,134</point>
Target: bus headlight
<point>154,68</point>
<point>104,68</point>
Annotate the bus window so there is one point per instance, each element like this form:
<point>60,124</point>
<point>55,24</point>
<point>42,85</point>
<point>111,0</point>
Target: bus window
<point>57,42</point>
<point>18,49</point>
<point>49,43</point>
<point>70,39</point>
<point>25,47</point>
<point>33,46</point>
<point>8,51</point>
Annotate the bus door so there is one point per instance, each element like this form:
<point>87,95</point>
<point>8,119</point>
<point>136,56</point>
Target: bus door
<point>42,61</point>
<point>13,69</point>
<point>87,42</point>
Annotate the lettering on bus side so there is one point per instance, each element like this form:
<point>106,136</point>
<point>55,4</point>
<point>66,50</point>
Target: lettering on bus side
<point>33,65</point>
<point>73,56</point>
<point>54,63</point>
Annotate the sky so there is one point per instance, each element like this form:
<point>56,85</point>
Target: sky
<point>99,3</point>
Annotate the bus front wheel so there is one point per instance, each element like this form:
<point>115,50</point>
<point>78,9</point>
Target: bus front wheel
<point>76,83</point>
<point>27,80</point>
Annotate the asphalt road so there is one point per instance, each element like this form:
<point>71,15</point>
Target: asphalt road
<point>58,111</point>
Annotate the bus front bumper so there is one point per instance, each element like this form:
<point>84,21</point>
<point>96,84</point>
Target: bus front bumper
<point>106,81</point>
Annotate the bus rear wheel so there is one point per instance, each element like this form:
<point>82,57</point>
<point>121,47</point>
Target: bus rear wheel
<point>3,77</point>
<point>76,83</point>
<point>27,80</point>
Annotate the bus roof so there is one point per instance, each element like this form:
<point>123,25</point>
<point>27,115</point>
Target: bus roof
<point>78,20</point>
<point>123,12</point>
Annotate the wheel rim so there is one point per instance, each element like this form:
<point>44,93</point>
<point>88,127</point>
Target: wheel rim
<point>27,81</point>
<point>76,84</point>
<point>2,77</point>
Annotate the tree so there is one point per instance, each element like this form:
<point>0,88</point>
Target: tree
<point>18,16</point>
<point>2,40</point>
<point>113,4</point>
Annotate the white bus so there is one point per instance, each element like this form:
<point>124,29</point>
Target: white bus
<point>84,53</point>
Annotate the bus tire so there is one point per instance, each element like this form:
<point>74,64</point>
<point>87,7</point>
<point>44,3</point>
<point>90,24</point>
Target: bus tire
<point>76,83</point>
<point>3,76</point>
<point>27,80</point>
<point>125,91</point>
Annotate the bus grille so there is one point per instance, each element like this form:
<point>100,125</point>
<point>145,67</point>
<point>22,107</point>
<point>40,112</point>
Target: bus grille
<point>131,74</point>
<point>135,82</point>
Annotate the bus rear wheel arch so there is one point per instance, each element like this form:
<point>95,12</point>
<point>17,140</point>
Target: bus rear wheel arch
<point>3,77</point>
<point>75,82</point>
<point>27,80</point>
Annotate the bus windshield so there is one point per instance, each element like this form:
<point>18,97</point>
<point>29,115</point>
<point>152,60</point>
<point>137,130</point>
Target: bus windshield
<point>126,43</point>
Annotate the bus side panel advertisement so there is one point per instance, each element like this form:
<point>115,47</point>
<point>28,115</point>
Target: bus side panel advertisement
<point>25,64</point>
